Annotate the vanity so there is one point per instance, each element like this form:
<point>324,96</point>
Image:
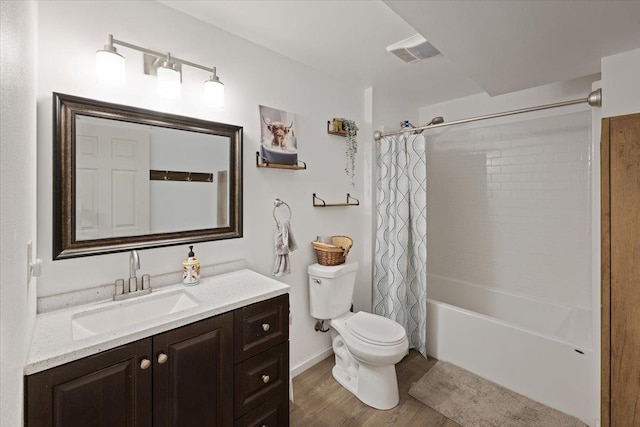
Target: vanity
<point>215,354</point>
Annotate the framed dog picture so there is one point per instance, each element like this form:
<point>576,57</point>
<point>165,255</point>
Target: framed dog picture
<point>278,144</point>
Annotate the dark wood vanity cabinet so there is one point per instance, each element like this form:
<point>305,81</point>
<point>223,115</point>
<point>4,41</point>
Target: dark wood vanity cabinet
<point>106,389</point>
<point>262,360</point>
<point>193,374</point>
<point>181,378</point>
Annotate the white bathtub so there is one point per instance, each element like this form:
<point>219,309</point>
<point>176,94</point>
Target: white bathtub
<point>535,348</point>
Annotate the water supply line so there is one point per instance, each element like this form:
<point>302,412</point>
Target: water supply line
<point>319,327</point>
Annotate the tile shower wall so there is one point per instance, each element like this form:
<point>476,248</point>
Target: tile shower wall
<point>509,207</point>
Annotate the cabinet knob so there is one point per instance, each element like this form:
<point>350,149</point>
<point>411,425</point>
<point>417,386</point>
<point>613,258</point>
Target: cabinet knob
<point>162,358</point>
<point>266,327</point>
<point>145,363</point>
<point>265,379</point>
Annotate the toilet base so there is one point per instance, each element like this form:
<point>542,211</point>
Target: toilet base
<point>376,386</point>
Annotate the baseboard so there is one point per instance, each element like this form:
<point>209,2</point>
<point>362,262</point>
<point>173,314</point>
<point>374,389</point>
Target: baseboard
<point>312,361</point>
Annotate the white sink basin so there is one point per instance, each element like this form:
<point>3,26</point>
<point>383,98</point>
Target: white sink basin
<point>126,313</point>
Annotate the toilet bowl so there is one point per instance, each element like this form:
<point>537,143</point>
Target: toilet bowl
<point>366,346</point>
<point>384,346</point>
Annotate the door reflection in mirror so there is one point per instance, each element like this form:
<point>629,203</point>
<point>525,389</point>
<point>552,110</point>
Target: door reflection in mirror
<point>116,194</point>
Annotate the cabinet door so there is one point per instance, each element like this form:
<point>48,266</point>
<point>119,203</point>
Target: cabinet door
<point>105,390</point>
<point>193,375</point>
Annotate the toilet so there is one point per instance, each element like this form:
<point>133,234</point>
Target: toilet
<point>366,346</point>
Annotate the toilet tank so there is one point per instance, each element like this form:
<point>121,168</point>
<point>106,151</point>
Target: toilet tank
<point>331,289</point>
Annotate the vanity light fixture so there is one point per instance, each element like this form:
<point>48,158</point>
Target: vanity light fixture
<point>167,68</point>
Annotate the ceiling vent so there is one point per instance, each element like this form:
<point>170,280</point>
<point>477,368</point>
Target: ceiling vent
<point>413,49</point>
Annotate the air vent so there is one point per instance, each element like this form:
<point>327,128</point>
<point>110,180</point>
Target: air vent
<point>413,49</point>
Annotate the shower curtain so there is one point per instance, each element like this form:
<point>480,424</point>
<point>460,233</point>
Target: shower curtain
<point>399,286</point>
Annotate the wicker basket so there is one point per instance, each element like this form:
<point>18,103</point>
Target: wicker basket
<point>334,254</point>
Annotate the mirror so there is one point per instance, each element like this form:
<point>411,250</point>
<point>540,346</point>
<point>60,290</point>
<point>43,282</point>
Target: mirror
<point>127,178</point>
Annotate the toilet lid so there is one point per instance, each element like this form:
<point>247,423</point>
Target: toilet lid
<point>375,329</point>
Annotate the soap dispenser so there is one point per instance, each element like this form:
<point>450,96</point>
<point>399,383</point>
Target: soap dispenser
<point>191,269</point>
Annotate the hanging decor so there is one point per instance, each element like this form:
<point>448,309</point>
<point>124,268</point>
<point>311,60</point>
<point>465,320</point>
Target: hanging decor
<point>351,128</point>
<point>348,129</point>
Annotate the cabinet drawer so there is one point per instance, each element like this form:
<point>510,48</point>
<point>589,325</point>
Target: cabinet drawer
<point>274,413</point>
<point>260,326</point>
<point>261,378</point>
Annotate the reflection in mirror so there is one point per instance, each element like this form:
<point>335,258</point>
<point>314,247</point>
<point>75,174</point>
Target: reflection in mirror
<point>128,184</point>
<point>130,178</point>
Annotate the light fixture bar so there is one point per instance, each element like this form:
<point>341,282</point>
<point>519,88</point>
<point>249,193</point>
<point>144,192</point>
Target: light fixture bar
<point>166,67</point>
<point>159,54</point>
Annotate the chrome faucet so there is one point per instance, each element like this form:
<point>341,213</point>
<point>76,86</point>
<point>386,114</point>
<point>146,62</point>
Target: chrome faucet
<point>132,289</point>
<point>134,264</point>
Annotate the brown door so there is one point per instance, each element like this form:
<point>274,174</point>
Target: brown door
<point>621,271</point>
<point>105,390</point>
<point>193,375</point>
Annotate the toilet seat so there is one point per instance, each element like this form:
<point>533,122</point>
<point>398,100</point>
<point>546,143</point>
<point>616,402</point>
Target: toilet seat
<point>388,350</point>
<point>374,329</point>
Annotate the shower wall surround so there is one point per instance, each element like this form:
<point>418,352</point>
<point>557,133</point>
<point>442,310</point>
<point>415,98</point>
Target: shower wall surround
<point>509,207</point>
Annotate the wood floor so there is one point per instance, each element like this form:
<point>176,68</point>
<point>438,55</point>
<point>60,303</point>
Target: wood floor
<point>321,402</point>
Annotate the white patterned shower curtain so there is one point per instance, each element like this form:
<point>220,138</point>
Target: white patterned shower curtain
<point>399,286</point>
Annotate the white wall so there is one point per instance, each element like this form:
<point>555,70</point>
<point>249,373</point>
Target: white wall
<point>390,110</point>
<point>620,84</point>
<point>69,34</point>
<point>18,36</point>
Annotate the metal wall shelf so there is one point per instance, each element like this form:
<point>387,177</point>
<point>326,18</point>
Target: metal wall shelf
<point>261,162</point>
<point>323,204</point>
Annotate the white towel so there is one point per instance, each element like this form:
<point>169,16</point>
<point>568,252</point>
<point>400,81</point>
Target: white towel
<point>284,243</point>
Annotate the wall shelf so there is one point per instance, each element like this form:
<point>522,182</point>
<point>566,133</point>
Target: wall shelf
<point>323,204</point>
<point>331,128</point>
<point>341,133</point>
<point>261,162</point>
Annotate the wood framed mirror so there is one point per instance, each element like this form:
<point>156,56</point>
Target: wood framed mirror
<point>127,178</point>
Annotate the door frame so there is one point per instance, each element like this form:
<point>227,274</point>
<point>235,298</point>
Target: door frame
<point>605,274</point>
<point>605,235</point>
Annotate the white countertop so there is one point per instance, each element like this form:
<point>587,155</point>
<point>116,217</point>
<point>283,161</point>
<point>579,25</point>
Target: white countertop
<point>53,342</point>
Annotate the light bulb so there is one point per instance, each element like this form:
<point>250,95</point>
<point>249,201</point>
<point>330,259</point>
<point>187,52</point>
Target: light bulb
<point>168,82</point>
<point>214,92</point>
<point>110,66</point>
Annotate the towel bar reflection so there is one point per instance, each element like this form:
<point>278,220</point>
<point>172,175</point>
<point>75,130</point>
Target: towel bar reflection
<point>278,203</point>
<point>185,176</point>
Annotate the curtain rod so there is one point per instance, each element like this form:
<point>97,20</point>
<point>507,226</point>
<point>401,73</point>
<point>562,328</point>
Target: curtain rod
<point>594,99</point>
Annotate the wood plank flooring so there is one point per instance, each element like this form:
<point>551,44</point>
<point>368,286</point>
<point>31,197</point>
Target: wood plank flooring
<point>321,402</point>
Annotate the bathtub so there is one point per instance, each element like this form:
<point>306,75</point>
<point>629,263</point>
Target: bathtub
<point>532,347</point>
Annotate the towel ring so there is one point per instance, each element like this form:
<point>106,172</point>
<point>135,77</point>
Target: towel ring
<point>276,204</point>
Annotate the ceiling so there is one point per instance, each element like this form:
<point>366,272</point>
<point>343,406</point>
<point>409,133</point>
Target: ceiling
<point>487,46</point>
